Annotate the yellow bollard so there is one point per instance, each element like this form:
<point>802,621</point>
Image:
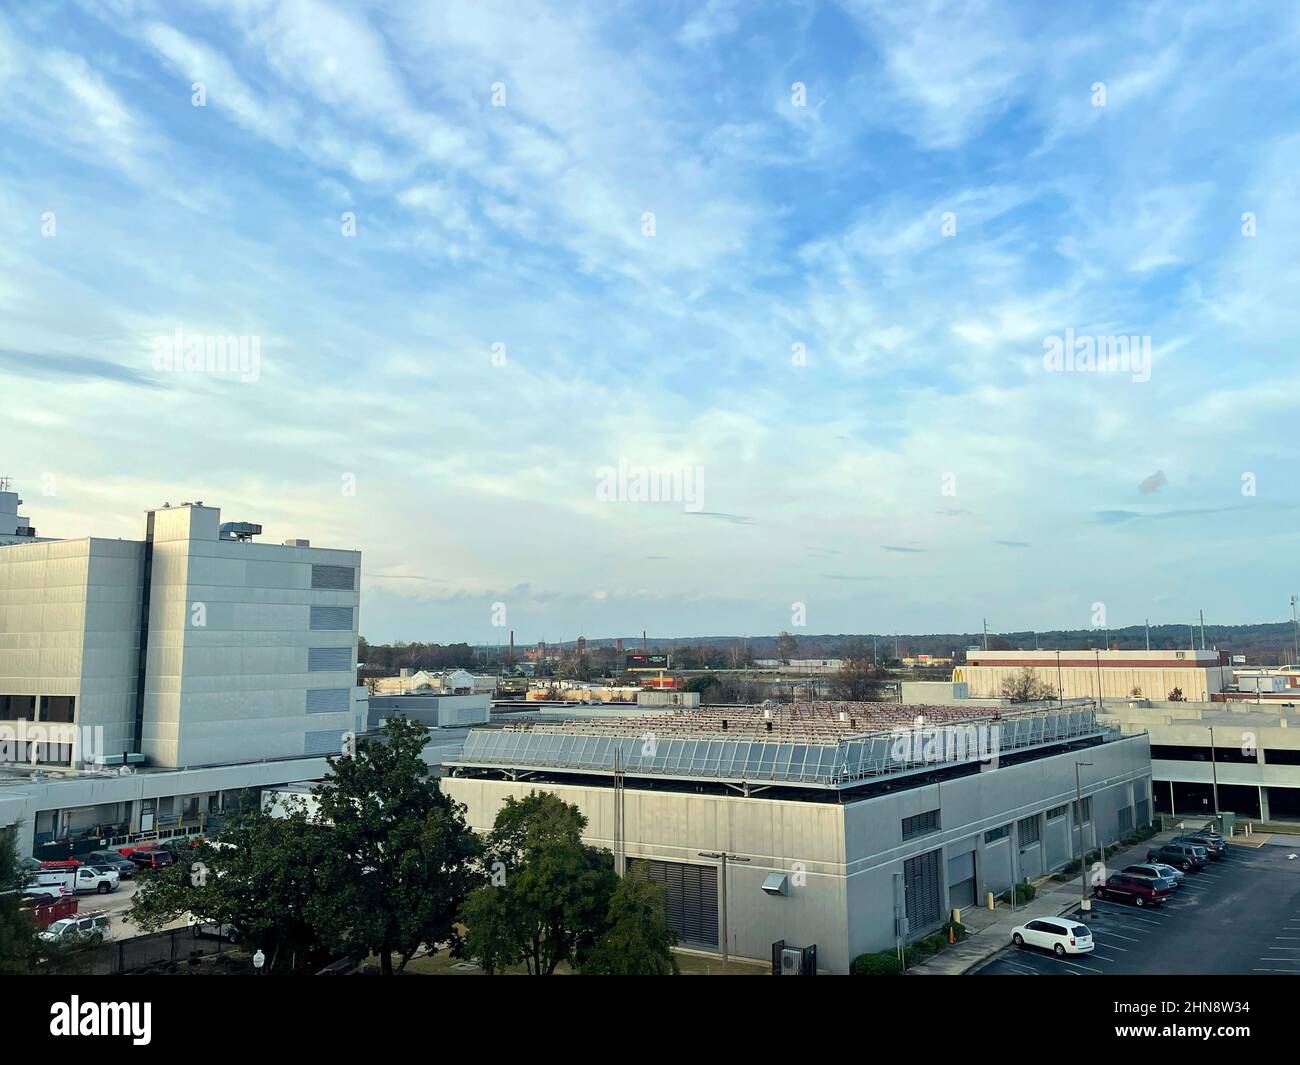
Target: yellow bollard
<point>990,900</point>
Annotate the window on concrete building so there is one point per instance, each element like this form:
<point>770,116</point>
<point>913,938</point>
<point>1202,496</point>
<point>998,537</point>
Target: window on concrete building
<point>1162,752</point>
<point>327,700</point>
<point>60,708</point>
<point>329,741</point>
<point>995,834</point>
<point>331,618</point>
<point>1057,812</point>
<point>340,578</point>
<point>17,707</point>
<point>1281,757</point>
<point>1125,820</point>
<point>329,659</point>
<point>921,824</point>
<point>1027,831</point>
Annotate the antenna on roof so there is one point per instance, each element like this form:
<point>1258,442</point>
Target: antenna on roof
<point>4,484</point>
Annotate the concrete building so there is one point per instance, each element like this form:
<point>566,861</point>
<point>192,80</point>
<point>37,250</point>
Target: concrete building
<point>192,647</point>
<point>14,528</point>
<point>434,709</point>
<point>840,821</point>
<point>1207,758</point>
<point>1080,674</point>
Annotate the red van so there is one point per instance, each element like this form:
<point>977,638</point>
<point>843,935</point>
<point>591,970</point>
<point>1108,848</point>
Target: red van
<point>1139,890</point>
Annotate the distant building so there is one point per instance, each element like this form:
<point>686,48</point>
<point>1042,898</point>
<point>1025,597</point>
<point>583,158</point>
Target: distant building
<point>1113,674</point>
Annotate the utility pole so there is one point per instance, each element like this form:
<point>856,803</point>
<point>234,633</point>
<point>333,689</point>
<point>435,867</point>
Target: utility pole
<point>1060,686</point>
<point>986,634</point>
<point>1099,694</point>
<point>1214,773</point>
<point>1295,626</point>
<point>1202,630</point>
<point>723,857</point>
<point>1078,821</point>
<point>1148,624</point>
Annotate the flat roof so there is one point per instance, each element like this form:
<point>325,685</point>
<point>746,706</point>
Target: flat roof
<point>818,745</point>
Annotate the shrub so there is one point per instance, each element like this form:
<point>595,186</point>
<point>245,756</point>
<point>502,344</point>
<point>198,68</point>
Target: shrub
<point>885,963</point>
<point>958,931</point>
<point>1024,893</point>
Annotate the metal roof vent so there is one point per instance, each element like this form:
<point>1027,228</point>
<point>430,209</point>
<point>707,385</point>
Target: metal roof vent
<point>776,884</point>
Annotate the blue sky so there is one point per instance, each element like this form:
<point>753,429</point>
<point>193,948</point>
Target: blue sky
<point>945,196</point>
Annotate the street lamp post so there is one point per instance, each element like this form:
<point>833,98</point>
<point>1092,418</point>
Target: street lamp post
<point>1060,686</point>
<point>1078,821</point>
<point>723,857</point>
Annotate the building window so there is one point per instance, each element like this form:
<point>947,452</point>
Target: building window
<point>328,700</point>
<point>921,824</point>
<point>1057,812</point>
<point>331,617</point>
<point>327,742</point>
<point>60,708</point>
<point>17,707</point>
<point>329,659</point>
<point>335,578</point>
<point>995,834</point>
<point>1281,757</point>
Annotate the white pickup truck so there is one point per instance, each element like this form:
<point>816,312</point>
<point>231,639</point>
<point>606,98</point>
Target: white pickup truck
<point>80,881</point>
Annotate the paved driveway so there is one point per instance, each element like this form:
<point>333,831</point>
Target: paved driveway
<point>1241,915</point>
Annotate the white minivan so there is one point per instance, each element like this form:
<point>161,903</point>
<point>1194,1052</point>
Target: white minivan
<point>1058,934</point>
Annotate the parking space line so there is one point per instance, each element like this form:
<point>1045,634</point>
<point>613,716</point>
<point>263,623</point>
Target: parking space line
<point>1108,932</point>
<point>1062,961</point>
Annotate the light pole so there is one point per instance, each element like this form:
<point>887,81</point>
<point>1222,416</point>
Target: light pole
<point>1083,857</point>
<point>722,857</point>
<point>1295,626</point>
<point>1214,773</point>
<point>1099,696</point>
<point>1060,687</point>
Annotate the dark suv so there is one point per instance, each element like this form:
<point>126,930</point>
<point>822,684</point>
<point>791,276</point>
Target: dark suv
<point>115,860</point>
<point>1184,856</point>
<point>1214,845</point>
<point>153,859</point>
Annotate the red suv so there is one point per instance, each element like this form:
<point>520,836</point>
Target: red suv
<point>152,859</point>
<point>1139,890</point>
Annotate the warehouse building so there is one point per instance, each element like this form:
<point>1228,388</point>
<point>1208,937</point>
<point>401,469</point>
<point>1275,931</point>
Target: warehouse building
<point>837,826</point>
<point>1099,673</point>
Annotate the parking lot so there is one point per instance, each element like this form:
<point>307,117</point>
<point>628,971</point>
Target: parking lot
<point>1240,915</point>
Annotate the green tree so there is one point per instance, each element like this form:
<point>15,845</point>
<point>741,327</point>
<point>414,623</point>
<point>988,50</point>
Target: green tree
<point>548,897</point>
<point>260,879</point>
<point>637,941</point>
<point>19,943</point>
<point>401,858</point>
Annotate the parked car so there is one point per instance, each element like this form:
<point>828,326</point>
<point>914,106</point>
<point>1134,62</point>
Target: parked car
<point>1215,847</point>
<point>45,892</point>
<point>1182,856</point>
<point>1057,934</point>
<point>1148,872</point>
<point>85,879</point>
<point>202,928</point>
<point>154,858</point>
<point>84,928</point>
<point>1139,890</point>
<point>115,860</point>
<point>1159,870</point>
